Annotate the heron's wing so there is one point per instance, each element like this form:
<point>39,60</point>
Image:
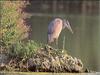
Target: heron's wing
<point>54,26</point>
<point>51,27</point>
<point>54,30</point>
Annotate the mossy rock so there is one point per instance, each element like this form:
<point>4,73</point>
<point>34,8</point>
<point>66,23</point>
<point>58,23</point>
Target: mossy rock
<point>48,59</point>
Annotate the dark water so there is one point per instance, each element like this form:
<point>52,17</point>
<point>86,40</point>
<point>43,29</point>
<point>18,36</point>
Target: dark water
<point>83,44</point>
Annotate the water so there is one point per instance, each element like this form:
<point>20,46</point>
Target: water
<point>83,44</point>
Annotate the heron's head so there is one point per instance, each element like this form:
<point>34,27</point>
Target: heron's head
<point>67,25</point>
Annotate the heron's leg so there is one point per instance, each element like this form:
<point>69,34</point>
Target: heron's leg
<point>56,40</point>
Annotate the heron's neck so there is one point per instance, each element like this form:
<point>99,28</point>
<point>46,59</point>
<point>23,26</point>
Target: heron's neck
<point>63,27</point>
<point>64,24</point>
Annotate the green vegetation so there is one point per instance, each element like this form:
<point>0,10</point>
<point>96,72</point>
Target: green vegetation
<point>23,50</point>
<point>14,31</point>
<point>12,26</point>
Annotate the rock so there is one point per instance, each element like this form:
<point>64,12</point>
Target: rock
<point>48,59</point>
<point>3,58</point>
<point>3,61</point>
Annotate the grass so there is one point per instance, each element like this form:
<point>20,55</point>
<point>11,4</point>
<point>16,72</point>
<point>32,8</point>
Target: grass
<point>23,49</point>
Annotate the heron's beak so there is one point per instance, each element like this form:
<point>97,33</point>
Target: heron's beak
<point>67,25</point>
<point>70,29</point>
